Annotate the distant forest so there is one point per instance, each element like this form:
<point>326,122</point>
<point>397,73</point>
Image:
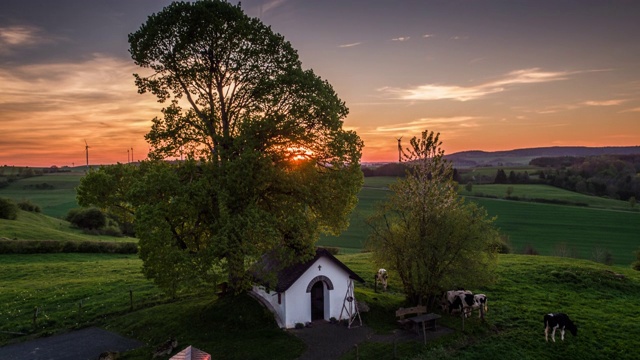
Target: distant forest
<point>612,176</point>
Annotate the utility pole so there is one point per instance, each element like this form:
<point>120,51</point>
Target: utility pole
<point>399,150</point>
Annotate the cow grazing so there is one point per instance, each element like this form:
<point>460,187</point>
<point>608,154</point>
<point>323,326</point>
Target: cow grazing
<point>381,277</point>
<point>458,301</point>
<point>558,321</point>
<point>480,303</point>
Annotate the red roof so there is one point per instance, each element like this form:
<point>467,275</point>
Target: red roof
<point>191,353</point>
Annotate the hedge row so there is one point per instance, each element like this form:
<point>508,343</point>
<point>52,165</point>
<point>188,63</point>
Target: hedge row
<point>54,246</point>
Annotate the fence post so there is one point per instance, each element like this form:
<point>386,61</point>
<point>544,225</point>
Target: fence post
<point>130,299</point>
<point>35,316</point>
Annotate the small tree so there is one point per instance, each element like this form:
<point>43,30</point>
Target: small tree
<point>8,209</point>
<point>501,177</point>
<point>509,191</point>
<point>469,186</point>
<point>632,202</point>
<point>91,218</point>
<point>427,234</point>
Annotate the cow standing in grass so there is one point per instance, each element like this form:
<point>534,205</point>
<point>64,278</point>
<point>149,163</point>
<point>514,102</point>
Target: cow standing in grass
<point>480,304</point>
<point>381,277</point>
<point>558,321</point>
<point>457,300</point>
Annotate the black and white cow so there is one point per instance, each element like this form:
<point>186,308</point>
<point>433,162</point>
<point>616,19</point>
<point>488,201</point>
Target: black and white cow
<point>449,297</point>
<point>558,321</point>
<point>381,277</point>
<point>480,304</point>
<point>460,301</point>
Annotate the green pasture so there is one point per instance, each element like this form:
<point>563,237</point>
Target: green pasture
<point>598,298</point>
<point>68,290</point>
<point>528,192</point>
<point>583,232</point>
<point>34,226</point>
<point>77,290</point>
<point>56,201</point>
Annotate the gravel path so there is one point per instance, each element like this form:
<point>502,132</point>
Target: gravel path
<point>85,344</point>
<point>330,341</point>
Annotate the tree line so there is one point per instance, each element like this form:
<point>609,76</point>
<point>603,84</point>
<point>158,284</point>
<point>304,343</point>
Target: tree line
<point>613,176</point>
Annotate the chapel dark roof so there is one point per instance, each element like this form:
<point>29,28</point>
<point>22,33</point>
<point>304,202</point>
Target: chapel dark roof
<point>287,276</point>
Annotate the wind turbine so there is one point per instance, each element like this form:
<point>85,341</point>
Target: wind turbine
<point>399,150</point>
<point>86,150</point>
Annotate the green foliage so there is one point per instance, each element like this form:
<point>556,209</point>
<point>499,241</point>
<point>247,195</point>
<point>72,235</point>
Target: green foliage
<point>427,234</point>
<point>55,246</point>
<point>269,165</point>
<point>8,209</point>
<point>27,205</point>
<point>89,218</point>
<point>636,264</point>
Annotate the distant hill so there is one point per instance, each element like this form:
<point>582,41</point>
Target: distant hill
<point>520,157</point>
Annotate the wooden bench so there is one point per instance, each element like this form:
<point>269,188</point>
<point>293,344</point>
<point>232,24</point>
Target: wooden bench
<point>403,312</point>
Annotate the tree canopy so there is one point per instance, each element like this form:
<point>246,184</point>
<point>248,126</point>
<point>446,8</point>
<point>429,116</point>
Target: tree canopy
<point>269,165</point>
<point>427,234</point>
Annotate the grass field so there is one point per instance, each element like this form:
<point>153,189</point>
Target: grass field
<point>525,192</point>
<point>600,303</point>
<point>56,201</point>
<point>34,226</point>
<point>583,232</point>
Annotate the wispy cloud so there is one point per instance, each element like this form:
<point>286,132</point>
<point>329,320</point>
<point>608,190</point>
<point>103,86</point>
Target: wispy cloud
<point>428,36</point>
<point>349,45</point>
<point>465,93</point>
<point>604,102</point>
<point>631,110</point>
<point>440,122</point>
<point>459,37</point>
<point>401,39</point>
<point>270,5</point>
<point>14,37</point>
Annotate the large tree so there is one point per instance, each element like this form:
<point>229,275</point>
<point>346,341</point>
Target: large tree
<point>269,164</point>
<point>427,234</point>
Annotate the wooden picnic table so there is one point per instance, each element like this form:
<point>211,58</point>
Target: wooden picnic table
<point>422,320</point>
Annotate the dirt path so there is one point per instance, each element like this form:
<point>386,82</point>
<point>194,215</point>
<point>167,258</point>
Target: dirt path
<point>85,344</point>
<point>330,341</point>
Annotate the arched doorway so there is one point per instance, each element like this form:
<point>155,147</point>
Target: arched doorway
<point>317,301</point>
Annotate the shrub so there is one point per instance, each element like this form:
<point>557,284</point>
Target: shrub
<point>530,250</point>
<point>8,209</point>
<point>91,218</point>
<point>299,326</point>
<point>27,205</point>
<point>54,246</point>
<point>503,245</point>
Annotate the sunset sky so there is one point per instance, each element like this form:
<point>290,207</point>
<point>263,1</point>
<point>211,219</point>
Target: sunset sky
<point>487,74</point>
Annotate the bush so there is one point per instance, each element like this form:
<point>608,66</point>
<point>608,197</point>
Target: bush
<point>8,209</point>
<point>91,218</point>
<point>530,250</point>
<point>503,245</point>
<point>54,246</point>
<point>636,264</point>
<point>27,205</point>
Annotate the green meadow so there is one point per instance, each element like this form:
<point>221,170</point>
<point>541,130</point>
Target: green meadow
<point>77,290</point>
<point>605,226</point>
<point>54,193</point>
